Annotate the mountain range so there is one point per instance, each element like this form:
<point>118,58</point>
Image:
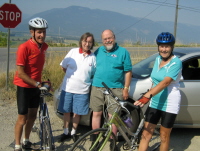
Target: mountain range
<point>73,21</point>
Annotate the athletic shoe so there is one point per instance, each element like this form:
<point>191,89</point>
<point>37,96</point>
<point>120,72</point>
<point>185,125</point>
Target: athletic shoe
<point>28,145</point>
<point>19,149</point>
<point>63,137</point>
<point>75,137</point>
<point>111,146</point>
<point>93,138</point>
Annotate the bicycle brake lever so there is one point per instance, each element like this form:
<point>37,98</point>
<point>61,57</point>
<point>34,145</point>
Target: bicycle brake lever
<point>105,92</point>
<point>123,103</point>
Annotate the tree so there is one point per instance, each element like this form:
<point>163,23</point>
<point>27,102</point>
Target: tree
<point>3,39</point>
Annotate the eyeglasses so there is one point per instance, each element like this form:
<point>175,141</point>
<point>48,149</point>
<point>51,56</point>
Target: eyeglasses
<point>85,42</point>
<point>109,38</point>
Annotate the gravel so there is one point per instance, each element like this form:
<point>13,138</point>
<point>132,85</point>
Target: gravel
<point>181,139</point>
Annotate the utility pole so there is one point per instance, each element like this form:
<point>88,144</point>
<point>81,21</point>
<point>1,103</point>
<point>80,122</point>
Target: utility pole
<point>176,18</point>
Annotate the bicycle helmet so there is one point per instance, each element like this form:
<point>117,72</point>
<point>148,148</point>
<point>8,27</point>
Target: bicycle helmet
<point>38,23</point>
<point>165,38</point>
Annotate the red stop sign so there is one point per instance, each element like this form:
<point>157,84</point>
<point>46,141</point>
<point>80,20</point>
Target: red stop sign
<point>10,15</point>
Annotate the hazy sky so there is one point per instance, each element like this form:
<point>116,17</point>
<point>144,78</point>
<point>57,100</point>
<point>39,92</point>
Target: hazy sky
<point>156,10</point>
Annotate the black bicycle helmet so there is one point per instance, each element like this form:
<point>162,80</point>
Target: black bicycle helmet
<point>165,38</point>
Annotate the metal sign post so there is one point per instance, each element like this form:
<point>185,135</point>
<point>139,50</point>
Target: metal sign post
<point>8,58</point>
<point>10,17</point>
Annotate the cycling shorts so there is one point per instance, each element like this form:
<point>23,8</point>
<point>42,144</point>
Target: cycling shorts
<point>154,115</point>
<point>27,98</point>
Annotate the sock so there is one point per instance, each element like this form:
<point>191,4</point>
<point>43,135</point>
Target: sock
<point>17,146</point>
<point>66,131</point>
<point>25,140</point>
<point>73,131</point>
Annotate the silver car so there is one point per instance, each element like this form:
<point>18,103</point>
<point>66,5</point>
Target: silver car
<point>188,116</point>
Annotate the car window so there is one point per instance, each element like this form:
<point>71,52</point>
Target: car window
<point>191,69</point>
<point>142,69</point>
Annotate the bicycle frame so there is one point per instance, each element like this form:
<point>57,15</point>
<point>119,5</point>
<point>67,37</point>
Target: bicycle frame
<point>132,139</point>
<point>122,128</point>
<point>43,114</point>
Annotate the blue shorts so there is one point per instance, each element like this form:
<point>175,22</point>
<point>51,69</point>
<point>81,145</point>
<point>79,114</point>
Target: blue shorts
<point>72,102</point>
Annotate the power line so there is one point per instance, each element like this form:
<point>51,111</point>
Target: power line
<point>142,18</point>
<point>153,2</point>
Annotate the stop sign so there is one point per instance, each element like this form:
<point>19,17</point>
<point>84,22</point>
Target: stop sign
<point>10,15</point>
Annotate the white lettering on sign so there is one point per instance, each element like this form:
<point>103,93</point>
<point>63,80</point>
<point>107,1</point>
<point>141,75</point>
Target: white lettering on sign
<point>18,15</point>
<point>6,14</point>
<point>12,16</point>
<point>1,15</point>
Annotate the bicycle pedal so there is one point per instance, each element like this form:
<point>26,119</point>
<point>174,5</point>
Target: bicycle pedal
<point>125,146</point>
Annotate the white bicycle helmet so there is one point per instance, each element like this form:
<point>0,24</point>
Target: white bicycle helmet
<point>38,23</point>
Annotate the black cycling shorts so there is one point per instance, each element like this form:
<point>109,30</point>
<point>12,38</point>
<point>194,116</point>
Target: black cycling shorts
<point>154,115</point>
<point>27,98</point>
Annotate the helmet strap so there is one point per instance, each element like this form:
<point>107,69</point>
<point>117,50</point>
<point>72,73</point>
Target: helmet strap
<point>166,59</point>
<point>39,44</point>
<point>171,54</point>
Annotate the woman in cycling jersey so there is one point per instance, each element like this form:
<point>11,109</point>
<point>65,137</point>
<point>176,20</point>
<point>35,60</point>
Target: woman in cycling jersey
<point>164,96</point>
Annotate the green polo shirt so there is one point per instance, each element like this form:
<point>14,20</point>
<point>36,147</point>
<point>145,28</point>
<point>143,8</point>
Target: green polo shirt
<point>111,67</point>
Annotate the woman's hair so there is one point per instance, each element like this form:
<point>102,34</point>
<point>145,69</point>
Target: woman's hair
<point>84,37</point>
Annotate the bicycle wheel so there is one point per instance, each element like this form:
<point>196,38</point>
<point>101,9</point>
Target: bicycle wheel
<point>85,144</point>
<point>47,136</point>
<point>155,141</point>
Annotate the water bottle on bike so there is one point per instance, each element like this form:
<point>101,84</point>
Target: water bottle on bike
<point>127,120</point>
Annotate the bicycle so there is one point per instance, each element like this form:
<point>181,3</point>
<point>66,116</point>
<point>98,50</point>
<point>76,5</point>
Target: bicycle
<point>44,131</point>
<point>106,140</point>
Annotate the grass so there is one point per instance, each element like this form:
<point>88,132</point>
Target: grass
<point>52,71</point>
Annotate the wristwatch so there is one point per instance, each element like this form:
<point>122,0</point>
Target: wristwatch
<point>126,88</point>
<point>37,83</point>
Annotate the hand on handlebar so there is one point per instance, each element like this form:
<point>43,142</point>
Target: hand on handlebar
<point>143,100</point>
<point>47,85</point>
<point>43,88</point>
<point>125,95</point>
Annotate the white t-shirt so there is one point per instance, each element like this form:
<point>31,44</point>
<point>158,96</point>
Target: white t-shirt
<point>79,71</point>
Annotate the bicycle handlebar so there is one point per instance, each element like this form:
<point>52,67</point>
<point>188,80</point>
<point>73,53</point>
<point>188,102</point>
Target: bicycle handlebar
<point>46,87</point>
<point>47,84</point>
<point>117,99</point>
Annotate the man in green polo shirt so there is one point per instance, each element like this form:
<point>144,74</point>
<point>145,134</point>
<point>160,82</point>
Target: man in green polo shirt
<point>113,67</point>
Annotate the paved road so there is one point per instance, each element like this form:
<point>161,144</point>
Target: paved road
<point>12,57</point>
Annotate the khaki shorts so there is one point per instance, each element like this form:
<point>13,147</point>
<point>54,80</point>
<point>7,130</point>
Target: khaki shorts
<point>98,99</point>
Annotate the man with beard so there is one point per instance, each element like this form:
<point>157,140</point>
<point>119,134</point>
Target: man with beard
<point>114,67</point>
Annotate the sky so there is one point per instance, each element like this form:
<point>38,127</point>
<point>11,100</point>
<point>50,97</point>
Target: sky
<point>156,10</point>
